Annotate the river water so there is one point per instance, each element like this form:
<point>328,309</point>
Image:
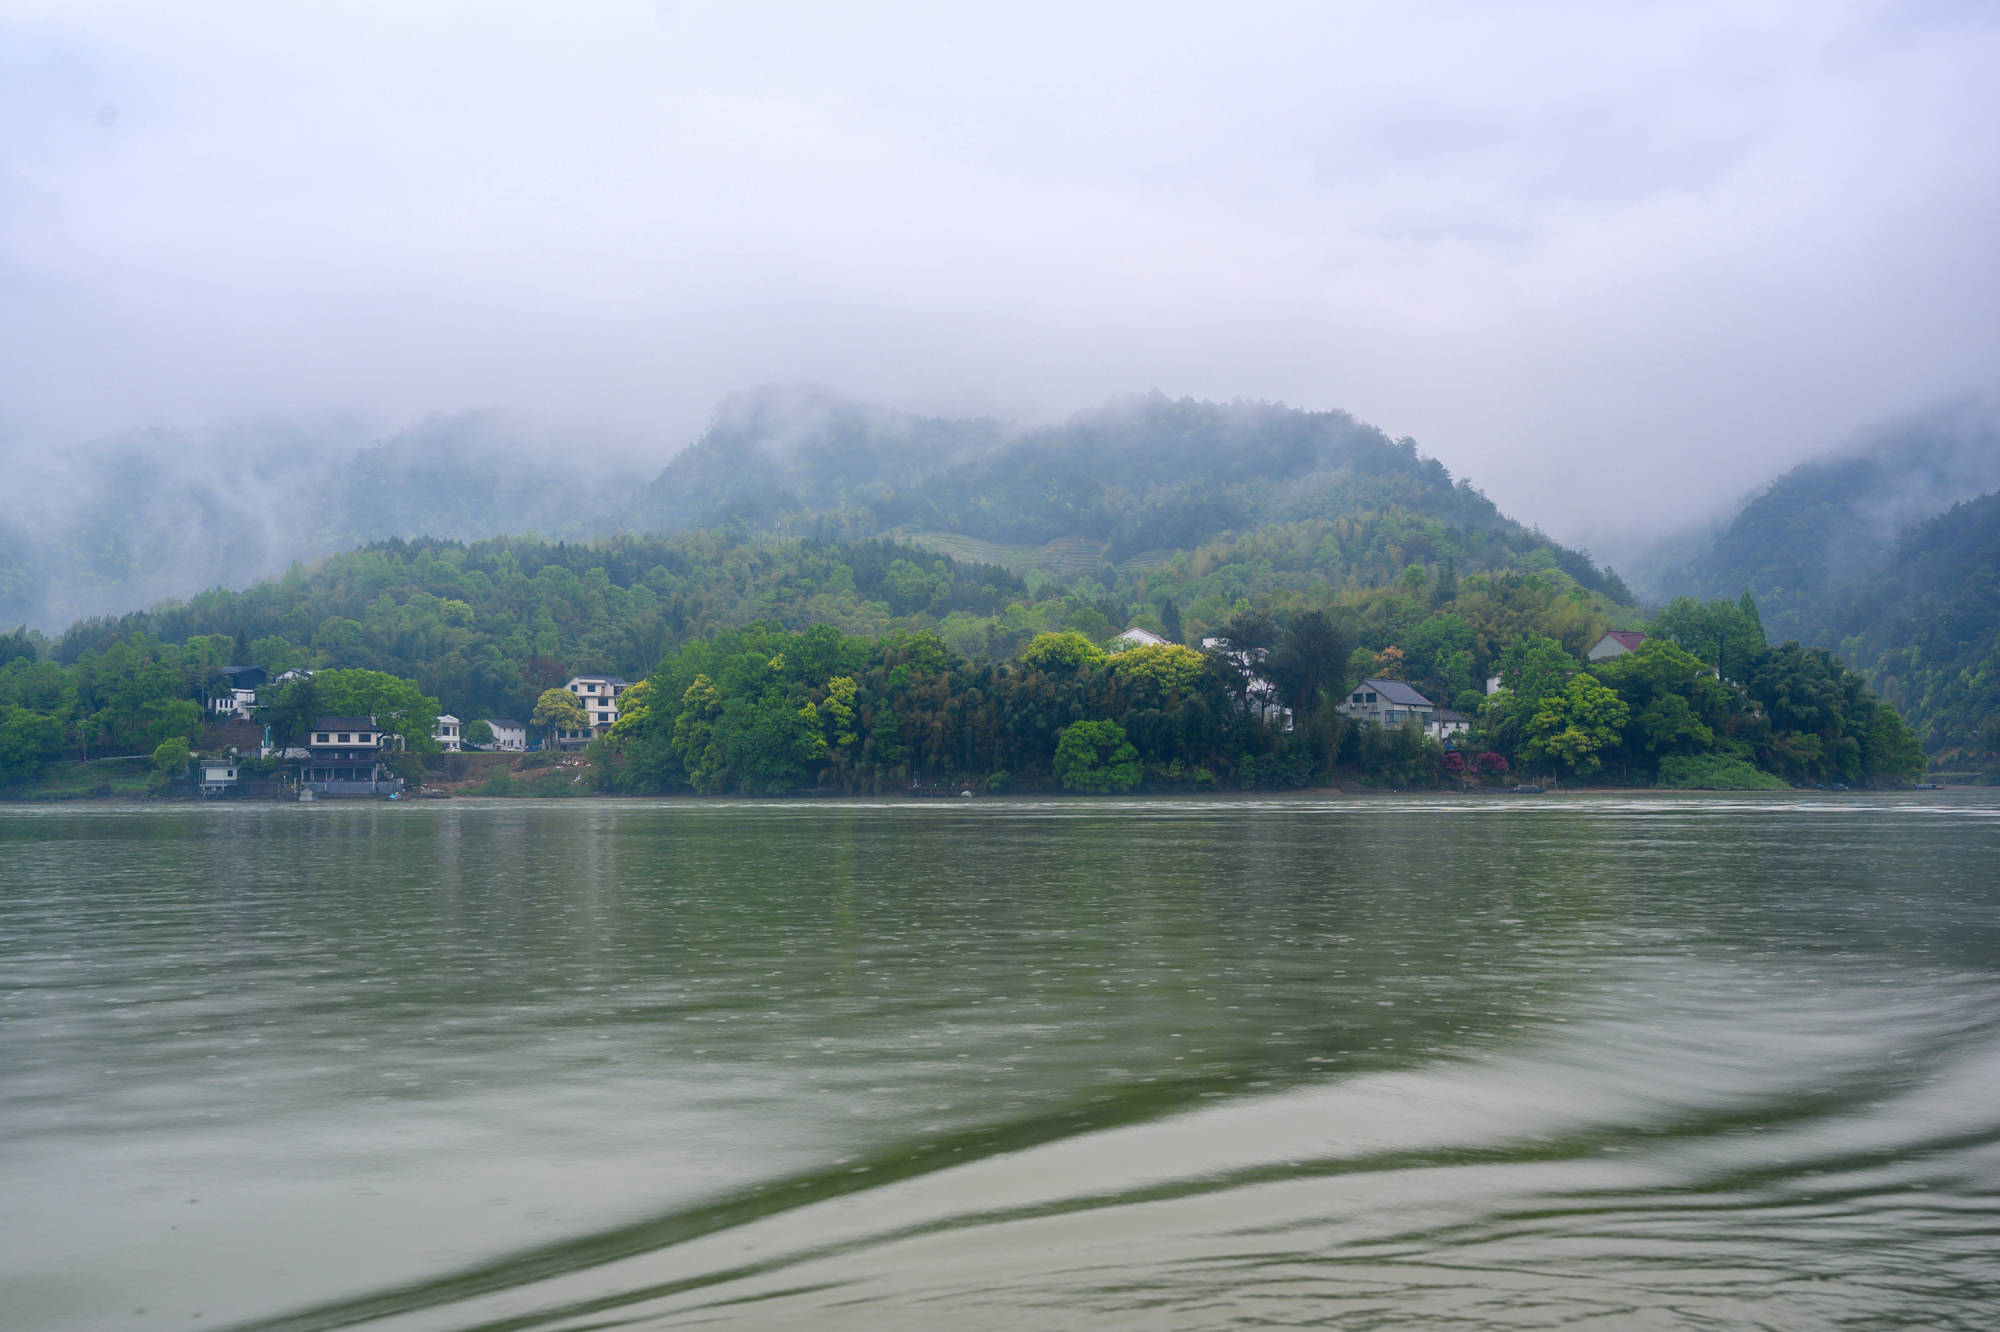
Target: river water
<point>1373,1062</point>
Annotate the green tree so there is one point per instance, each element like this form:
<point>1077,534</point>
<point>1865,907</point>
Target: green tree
<point>1309,665</point>
<point>170,756</point>
<point>28,740</point>
<point>1533,669</point>
<point>479,733</point>
<point>397,705</point>
<point>1066,651</point>
<point>1677,705</point>
<point>1573,727</point>
<point>1727,635</point>
<point>558,710</point>
<point>1095,756</point>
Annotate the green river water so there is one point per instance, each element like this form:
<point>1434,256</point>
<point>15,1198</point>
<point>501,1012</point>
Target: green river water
<point>1567,1061</point>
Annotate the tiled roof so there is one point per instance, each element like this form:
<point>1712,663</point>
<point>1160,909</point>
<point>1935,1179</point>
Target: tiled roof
<point>1395,691</point>
<point>345,724</point>
<point>1627,638</point>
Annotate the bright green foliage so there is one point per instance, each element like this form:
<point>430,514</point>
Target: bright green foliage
<point>1573,727</point>
<point>1095,757</point>
<point>1167,668</point>
<point>558,710</point>
<point>171,755</point>
<point>28,740</point>
<point>1715,772</point>
<point>1061,651</point>
<point>478,732</point>
<point>1532,670</point>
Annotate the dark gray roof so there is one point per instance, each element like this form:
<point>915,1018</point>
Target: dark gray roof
<point>506,721</point>
<point>1446,714</point>
<point>1395,691</point>
<point>345,724</point>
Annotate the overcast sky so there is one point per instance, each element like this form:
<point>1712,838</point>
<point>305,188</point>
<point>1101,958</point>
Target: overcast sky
<point>1616,262</point>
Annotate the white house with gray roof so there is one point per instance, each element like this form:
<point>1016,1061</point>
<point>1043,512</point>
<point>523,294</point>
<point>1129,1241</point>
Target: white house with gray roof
<point>1388,703</point>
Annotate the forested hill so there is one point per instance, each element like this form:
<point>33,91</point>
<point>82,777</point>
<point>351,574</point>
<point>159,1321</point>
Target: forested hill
<point>777,452</point>
<point>1135,479</point>
<point>1864,553</point>
<point>1926,627</point>
<point>1809,542</point>
<point>127,522</point>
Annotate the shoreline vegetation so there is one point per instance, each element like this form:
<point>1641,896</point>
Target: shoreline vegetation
<point>1268,706</point>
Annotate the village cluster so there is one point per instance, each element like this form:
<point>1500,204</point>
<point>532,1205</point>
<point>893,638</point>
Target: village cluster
<point>344,756</point>
<point>1388,703</point>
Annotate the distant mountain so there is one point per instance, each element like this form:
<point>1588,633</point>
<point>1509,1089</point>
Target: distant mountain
<point>776,452</point>
<point>1807,543</point>
<point>1926,628</point>
<point>1144,476</point>
<point>131,520</point>
<point>1887,552</point>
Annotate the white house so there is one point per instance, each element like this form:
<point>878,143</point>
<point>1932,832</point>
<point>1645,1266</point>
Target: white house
<point>233,703</point>
<point>1615,643</point>
<point>449,734</point>
<point>218,776</point>
<point>1389,703</point>
<point>1137,637</point>
<point>599,696</point>
<point>239,692</point>
<point>1449,724</point>
<point>508,735</point>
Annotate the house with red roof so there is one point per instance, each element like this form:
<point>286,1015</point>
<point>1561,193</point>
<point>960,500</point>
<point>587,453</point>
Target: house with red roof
<point>1615,643</point>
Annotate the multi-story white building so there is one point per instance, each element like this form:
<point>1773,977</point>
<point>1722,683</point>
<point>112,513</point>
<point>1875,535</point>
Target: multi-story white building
<point>449,734</point>
<point>599,696</point>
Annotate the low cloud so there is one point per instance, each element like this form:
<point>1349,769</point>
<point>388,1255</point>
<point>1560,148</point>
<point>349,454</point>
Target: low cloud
<point>1617,264</point>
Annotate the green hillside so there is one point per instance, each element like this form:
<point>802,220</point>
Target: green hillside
<point>1926,628</point>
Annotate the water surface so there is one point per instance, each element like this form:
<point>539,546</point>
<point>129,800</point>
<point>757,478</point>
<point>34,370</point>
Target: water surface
<point>1665,1062</point>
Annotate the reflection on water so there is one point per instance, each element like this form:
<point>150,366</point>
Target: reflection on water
<point>1387,1063</point>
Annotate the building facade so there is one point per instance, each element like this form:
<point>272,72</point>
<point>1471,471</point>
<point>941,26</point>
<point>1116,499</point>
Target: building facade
<point>509,736</point>
<point>1389,703</point>
<point>599,696</point>
<point>344,758</point>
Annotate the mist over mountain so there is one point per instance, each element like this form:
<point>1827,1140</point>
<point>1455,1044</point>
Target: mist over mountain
<point>1925,626</point>
<point>142,519</point>
<point>124,522</point>
<point>1886,551</point>
<point>780,450</point>
<point>1809,540</point>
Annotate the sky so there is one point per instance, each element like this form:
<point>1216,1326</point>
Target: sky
<point>1618,263</point>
